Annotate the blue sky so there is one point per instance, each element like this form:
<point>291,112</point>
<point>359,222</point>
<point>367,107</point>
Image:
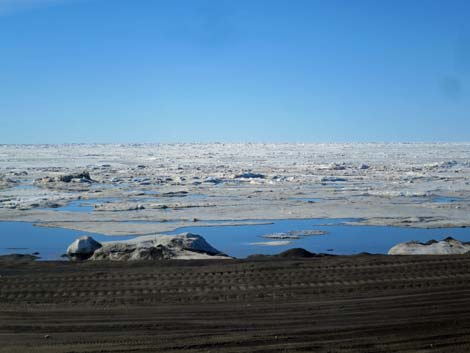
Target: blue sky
<point>234,71</point>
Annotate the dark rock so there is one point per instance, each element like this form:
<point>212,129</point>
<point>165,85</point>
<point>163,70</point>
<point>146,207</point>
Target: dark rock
<point>83,176</point>
<point>250,175</point>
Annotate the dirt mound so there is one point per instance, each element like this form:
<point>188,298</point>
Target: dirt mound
<point>14,258</point>
<point>295,253</point>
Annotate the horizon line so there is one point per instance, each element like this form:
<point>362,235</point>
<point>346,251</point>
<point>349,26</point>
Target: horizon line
<point>232,143</point>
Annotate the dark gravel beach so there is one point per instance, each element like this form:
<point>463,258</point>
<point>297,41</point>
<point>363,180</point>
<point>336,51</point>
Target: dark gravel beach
<point>358,303</point>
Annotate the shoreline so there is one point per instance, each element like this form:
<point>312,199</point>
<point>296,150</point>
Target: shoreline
<point>308,304</point>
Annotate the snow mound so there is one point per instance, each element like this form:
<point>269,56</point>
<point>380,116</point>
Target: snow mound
<point>448,246</point>
<point>186,246</point>
<point>82,248</point>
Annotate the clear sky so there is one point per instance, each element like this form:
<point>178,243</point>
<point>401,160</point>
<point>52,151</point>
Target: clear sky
<point>234,71</point>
